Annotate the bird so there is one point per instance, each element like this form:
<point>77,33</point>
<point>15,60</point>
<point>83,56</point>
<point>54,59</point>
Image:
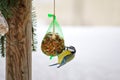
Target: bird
<point>66,56</point>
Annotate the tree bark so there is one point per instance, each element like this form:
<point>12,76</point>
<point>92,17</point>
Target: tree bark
<point>18,51</point>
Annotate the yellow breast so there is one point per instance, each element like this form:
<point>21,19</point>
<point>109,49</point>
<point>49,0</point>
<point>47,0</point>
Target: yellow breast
<point>62,55</point>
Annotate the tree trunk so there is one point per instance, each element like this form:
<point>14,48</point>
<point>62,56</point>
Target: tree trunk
<point>18,52</point>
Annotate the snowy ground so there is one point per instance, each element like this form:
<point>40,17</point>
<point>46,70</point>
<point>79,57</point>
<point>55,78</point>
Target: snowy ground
<point>97,56</point>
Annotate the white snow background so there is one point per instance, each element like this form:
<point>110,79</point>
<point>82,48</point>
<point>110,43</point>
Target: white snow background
<point>97,56</point>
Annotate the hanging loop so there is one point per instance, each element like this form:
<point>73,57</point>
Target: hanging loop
<point>52,15</point>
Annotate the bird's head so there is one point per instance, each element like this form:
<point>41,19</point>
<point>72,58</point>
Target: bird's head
<point>72,49</point>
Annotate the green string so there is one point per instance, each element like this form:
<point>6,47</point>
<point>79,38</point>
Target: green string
<point>51,57</point>
<point>57,26</point>
<point>52,15</point>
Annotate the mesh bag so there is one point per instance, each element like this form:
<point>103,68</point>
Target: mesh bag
<point>53,41</point>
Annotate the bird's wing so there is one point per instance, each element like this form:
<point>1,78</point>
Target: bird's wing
<point>69,57</point>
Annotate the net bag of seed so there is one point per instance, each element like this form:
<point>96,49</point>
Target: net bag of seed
<point>53,41</point>
<point>3,25</point>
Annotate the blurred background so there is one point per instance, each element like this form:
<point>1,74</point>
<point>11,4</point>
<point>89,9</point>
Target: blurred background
<point>81,12</point>
<point>92,27</point>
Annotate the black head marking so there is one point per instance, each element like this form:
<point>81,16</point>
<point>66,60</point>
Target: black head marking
<point>72,49</point>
